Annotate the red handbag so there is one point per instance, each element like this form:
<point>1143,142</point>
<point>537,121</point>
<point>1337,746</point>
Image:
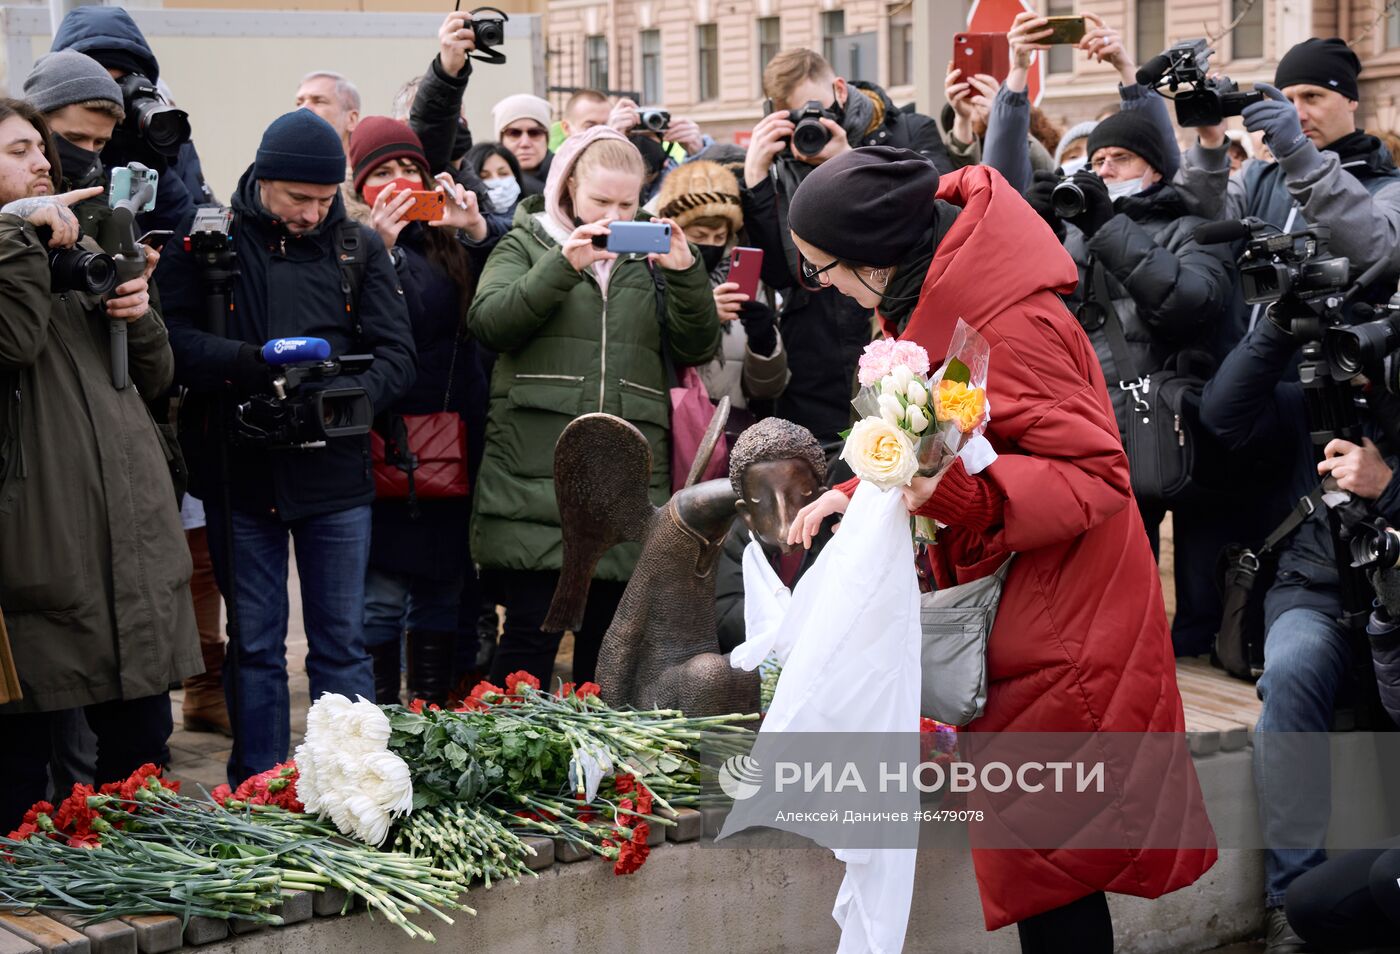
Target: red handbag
<point>422,456</point>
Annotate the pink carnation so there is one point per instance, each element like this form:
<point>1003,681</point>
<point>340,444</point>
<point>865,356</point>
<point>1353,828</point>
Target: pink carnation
<point>885,354</point>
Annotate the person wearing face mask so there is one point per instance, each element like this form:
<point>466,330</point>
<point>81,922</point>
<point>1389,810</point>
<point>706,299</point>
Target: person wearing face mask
<point>1080,640</point>
<point>1134,248</point>
<point>703,198</point>
<point>576,330</point>
<point>500,173</point>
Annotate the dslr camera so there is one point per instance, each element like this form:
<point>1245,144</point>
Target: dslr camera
<point>1367,347</point>
<point>490,33</point>
<point>1208,101</point>
<point>653,119</point>
<point>149,117</point>
<point>1067,199</point>
<point>810,137</point>
<point>304,410</point>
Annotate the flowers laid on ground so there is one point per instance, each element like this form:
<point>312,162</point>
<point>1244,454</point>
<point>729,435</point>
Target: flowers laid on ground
<point>910,424</point>
<point>140,847</point>
<point>347,772</point>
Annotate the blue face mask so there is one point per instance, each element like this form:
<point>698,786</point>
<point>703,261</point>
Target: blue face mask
<point>503,192</point>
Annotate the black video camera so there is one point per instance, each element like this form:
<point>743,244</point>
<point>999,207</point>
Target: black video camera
<point>653,119</point>
<point>1208,101</point>
<point>299,413</point>
<point>163,127</point>
<point>489,33</point>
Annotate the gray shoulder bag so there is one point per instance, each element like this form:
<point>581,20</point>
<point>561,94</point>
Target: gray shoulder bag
<point>956,622</point>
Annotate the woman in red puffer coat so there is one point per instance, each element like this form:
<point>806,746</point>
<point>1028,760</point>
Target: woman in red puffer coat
<point>1081,642</point>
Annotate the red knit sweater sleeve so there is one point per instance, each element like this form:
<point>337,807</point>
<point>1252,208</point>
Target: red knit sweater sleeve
<point>960,500</point>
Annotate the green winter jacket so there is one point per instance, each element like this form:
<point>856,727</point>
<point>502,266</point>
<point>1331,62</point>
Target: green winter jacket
<point>565,351</point>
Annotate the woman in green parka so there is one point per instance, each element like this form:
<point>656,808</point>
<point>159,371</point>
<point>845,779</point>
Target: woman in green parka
<point>577,331</point>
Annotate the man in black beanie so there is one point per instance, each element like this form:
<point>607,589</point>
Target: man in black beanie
<point>304,269</point>
<point>1327,173</point>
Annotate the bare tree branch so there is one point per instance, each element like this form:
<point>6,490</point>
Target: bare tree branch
<point>1229,28</point>
<point>1388,10</point>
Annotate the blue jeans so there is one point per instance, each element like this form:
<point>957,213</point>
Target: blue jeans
<point>332,556</point>
<point>1306,663</point>
<point>395,602</point>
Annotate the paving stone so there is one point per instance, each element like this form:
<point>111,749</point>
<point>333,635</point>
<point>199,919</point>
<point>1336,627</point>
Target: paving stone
<point>714,817</point>
<point>656,833</point>
<point>156,933</point>
<point>690,825</point>
<point>14,944</point>
<point>244,926</point>
<point>330,902</point>
<point>568,852</point>
<point>296,906</point>
<point>106,937</point>
<point>202,930</point>
<point>544,852</point>
<point>45,933</point>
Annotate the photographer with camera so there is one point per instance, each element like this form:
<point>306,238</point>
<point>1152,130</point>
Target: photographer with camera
<point>154,133</point>
<point>301,466</point>
<point>1327,171</point>
<point>94,572</point>
<point>815,115</point>
<point>1261,401</point>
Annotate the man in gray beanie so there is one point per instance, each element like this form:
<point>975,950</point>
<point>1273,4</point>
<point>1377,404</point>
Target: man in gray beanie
<point>82,105</point>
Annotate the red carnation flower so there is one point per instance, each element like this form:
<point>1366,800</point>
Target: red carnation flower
<point>566,690</point>
<point>589,689</point>
<point>516,679</point>
<point>31,817</point>
<point>624,782</point>
<point>23,832</point>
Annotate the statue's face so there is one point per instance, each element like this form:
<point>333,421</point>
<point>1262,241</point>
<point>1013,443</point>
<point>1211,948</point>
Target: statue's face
<point>774,490</point>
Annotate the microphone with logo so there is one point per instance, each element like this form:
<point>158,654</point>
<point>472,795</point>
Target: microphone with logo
<point>306,408</point>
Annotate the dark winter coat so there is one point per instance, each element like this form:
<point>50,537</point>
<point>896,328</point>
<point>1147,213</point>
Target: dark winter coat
<point>451,377</point>
<point>94,570</point>
<point>288,286</point>
<point>1169,292</point>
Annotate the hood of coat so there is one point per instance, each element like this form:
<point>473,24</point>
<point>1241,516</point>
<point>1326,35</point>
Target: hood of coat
<point>561,166</point>
<point>105,28</point>
<point>247,203</point>
<point>997,252</point>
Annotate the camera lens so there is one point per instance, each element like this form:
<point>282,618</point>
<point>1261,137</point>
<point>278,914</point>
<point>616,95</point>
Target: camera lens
<point>73,269</point>
<point>1067,199</point>
<point>1350,350</point>
<point>810,137</point>
<point>164,127</point>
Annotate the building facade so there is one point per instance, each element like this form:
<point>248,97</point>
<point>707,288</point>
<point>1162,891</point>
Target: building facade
<point>704,58</point>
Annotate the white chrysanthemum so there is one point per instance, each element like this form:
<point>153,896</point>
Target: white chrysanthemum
<point>364,728</point>
<point>371,821</point>
<point>324,714</point>
<point>386,779</point>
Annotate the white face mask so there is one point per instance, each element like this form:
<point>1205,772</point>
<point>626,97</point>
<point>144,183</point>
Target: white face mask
<point>503,192</point>
<point>1072,166</point>
<point>1117,190</point>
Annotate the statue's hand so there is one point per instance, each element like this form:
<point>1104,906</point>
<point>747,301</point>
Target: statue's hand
<point>809,519</point>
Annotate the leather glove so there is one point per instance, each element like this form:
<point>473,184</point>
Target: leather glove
<point>250,373</point>
<point>760,326</point>
<point>1038,195</point>
<point>1276,118</point>
<point>1098,205</point>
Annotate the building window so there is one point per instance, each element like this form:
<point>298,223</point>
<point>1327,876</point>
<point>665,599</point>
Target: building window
<point>1151,28</point>
<point>707,49</point>
<point>1247,40</point>
<point>597,55</point>
<point>833,25</point>
<point>651,67</point>
<point>902,47</point>
<point>769,42</point>
<point>1060,58</point>
<point>1392,32</point>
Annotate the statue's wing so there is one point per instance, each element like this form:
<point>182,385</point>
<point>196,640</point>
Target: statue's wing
<point>602,466</point>
<point>706,449</point>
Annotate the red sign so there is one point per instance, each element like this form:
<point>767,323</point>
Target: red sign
<point>995,16</point>
<point>742,137</point>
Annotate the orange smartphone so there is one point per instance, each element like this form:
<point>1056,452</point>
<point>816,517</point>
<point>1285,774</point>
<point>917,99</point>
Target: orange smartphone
<point>982,53</point>
<point>426,206</point>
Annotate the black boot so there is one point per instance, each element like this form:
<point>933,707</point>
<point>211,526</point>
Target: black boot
<point>387,672</point>
<point>430,653</point>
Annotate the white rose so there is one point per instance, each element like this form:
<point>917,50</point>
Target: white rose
<point>890,409</point>
<point>917,420</point>
<point>881,453</point>
<point>902,376</point>
<point>917,393</point>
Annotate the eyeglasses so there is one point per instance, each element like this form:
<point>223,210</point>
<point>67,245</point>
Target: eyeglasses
<point>812,274</point>
<point>534,132</point>
<point>1118,159</point>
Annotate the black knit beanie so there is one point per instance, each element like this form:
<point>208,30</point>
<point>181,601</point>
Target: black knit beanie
<point>300,147</point>
<point>870,206</point>
<point>1133,131</point>
<point>1327,63</point>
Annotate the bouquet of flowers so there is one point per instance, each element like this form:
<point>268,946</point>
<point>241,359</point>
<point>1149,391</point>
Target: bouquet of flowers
<point>911,424</point>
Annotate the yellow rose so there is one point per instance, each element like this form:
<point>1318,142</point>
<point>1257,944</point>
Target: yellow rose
<point>881,453</point>
<point>960,404</point>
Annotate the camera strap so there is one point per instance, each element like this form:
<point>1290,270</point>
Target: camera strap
<point>350,258</point>
<point>658,281</point>
<point>1130,379</point>
<point>1302,510</point>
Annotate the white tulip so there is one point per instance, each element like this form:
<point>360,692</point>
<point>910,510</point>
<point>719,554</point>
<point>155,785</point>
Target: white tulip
<point>890,409</point>
<point>917,421</point>
<point>902,376</point>
<point>888,385</point>
<point>917,393</point>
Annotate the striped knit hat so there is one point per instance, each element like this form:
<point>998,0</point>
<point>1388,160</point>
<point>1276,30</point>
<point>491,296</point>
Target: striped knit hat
<point>700,189</point>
